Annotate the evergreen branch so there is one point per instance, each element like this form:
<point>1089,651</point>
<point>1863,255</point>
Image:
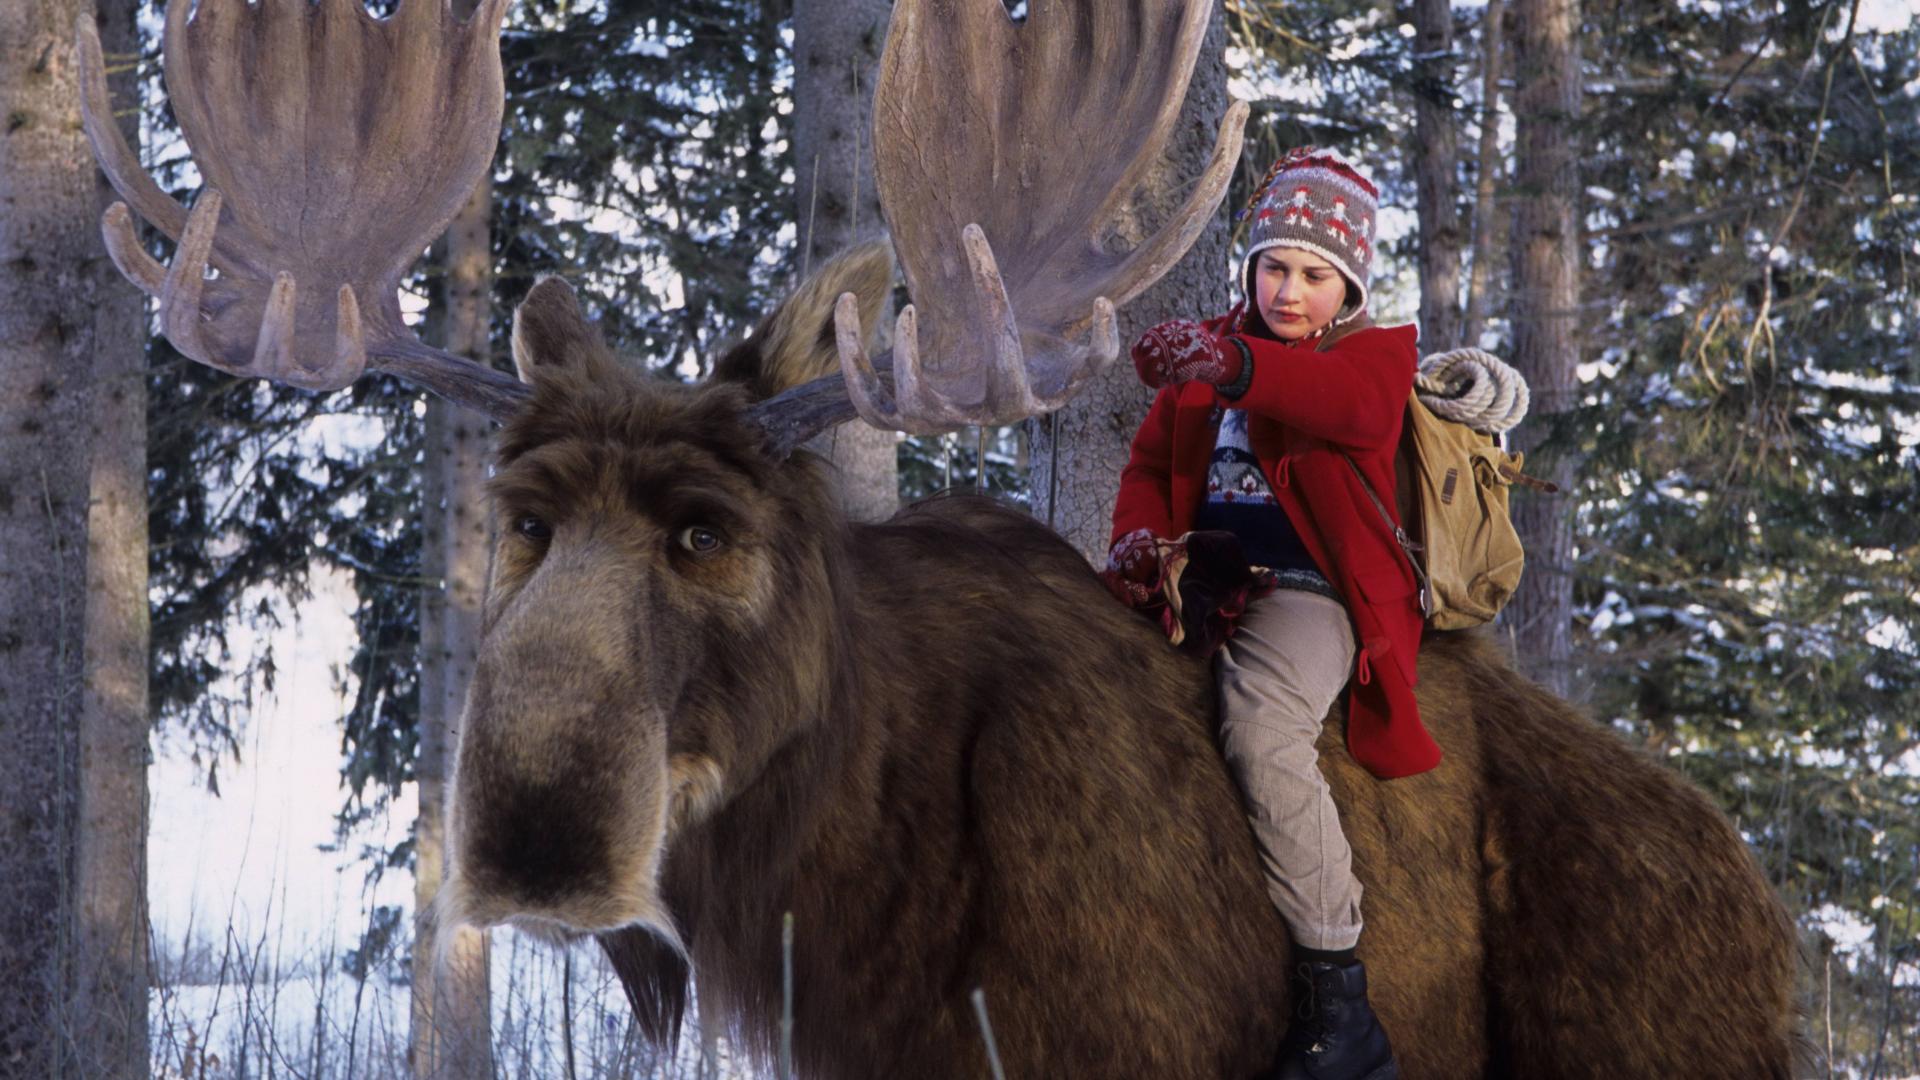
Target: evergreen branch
<point>1761,321</point>
<point>1886,156</point>
<point>1695,217</point>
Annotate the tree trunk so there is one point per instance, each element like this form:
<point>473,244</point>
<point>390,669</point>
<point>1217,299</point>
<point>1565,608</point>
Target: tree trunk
<point>1435,155</point>
<point>1480,280</point>
<point>109,1002</point>
<point>451,1001</point>
<point>836,57</point>
<point>1075,481</point>
<point>1545,323</point>
<point>72,933</point>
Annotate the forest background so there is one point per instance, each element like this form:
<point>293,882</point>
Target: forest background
<point>1693,224</point>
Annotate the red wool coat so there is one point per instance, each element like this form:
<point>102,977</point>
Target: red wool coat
<point>1304,407</point>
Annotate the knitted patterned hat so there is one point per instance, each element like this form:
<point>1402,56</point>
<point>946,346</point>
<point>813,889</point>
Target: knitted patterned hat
<point>1315,200</point>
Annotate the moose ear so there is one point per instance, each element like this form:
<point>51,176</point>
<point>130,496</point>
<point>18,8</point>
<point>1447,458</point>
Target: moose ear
<point>795,344</point>
<point>551,333</point>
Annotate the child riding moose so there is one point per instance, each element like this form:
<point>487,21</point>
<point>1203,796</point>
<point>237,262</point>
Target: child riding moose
<point>1265,419</point>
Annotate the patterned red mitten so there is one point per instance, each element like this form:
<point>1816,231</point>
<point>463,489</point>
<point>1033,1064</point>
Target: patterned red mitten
<point>1132,574</point>
<point>1180,351</point>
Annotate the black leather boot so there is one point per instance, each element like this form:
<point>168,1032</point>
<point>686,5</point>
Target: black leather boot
<point>1335,1035</point>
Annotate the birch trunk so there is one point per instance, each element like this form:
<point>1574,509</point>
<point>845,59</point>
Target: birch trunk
<point>836,57</point>
<point>1545,324</point>
<point>451,1001</point>
<point>1075,473</point>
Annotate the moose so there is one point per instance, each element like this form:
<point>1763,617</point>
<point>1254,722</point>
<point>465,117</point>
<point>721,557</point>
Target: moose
<point>705,699</point>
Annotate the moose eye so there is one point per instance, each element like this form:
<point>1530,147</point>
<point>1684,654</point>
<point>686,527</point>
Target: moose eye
<point>699,540</point>
<point>533,528</point>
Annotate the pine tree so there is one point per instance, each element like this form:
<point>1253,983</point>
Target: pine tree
<point>1751,399</point>
<point>1436,175</point>
<point>836,59</point>
<point>72,649</point>
<point>1545,246</point>
<point>110,929</point>
<point>452,1016</point>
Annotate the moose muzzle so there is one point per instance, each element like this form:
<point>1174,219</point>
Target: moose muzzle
<point>559,806</point>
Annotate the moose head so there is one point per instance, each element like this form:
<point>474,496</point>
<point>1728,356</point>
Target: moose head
<point>656,543</point>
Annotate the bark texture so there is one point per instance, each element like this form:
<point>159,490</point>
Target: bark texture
<point>836,56</point>
<point>1435,156</point>
<point>1078,452</point>
<point>1481,279</point>
<point>1545,323</point>
<point>109,992</point>
<point>67,918</point>
<point>451,1000</point>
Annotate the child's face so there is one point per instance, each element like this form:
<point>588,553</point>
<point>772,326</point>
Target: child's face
<point>1298,292</point>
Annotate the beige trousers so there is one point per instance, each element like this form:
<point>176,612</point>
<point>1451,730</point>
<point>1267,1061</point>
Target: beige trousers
<point>1287,661</point>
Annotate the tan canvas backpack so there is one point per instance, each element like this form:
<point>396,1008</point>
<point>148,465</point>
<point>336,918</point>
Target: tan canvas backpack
<point>1453,479</point>
<point>1470,551</point>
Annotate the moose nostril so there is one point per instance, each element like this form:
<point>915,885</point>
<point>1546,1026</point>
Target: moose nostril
<point>539,842</point>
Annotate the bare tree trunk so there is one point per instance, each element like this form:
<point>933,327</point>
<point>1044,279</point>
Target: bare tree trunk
<point>1075,481</point>
<point>109,1002</point>
<point>1480,279</point>
<point>1545,322</point>
<point>836,57</point>
<point>452,1030</point>
<point>71,930</point>
<point>1435,157</point>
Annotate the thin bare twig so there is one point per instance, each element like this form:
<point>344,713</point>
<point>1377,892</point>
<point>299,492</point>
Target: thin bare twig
<point>566,1010</point>
<point>786,997</point>
<point>986,1032</point>
<point>1720,98</point>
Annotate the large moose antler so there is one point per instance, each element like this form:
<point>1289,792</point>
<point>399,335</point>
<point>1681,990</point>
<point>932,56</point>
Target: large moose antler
<point>1030,141</point>
<point>335,147</point>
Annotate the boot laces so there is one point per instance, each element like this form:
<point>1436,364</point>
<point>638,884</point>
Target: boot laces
<point>1312,1020</point>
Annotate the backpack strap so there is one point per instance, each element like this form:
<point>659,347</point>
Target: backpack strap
<point>1408,544</point>
<point>1364,322</point>
<point>1515,476</point>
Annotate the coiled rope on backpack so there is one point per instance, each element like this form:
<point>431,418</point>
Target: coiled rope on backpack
<point>1473,387</point>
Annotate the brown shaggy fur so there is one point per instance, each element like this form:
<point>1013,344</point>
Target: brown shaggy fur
<point>943,748</point>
